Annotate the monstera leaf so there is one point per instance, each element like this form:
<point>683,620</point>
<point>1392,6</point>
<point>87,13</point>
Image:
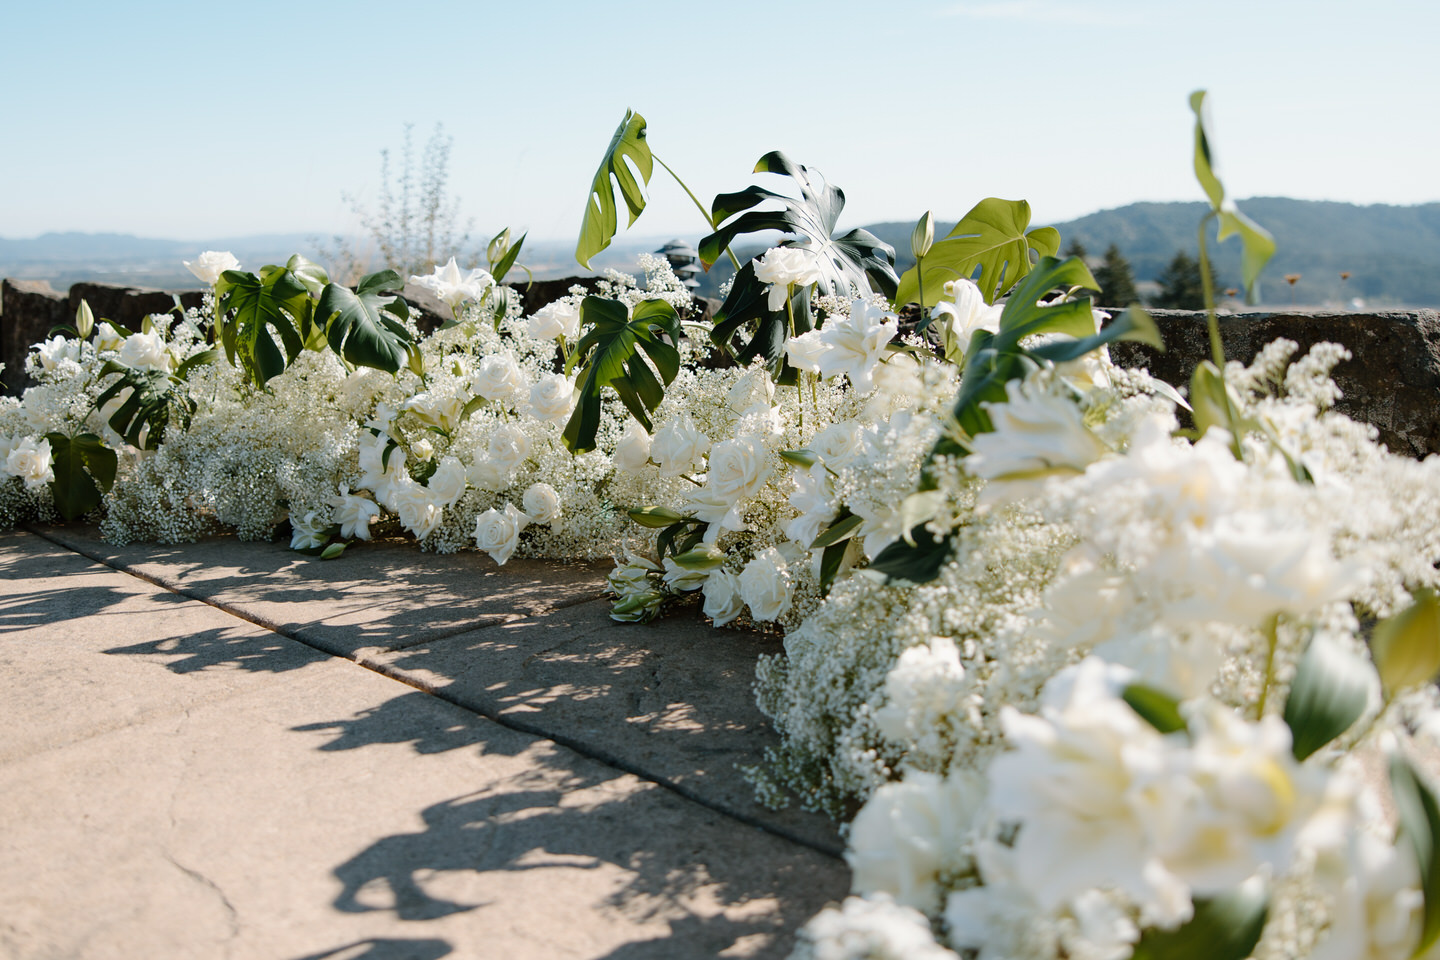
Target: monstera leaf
<point>153,397</point>
<point>273,301</point>
<point>611,353</point>
<point>83,466</point>
<point>992,237</point>
<point>363,325</point>
<point>598,227</point>
<point>856,260</point>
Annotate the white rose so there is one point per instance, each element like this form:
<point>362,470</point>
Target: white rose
<point>498,377</point>
<point>552,398</point>
<point>308,532</point>
<point>145,351</point>
<point>209,265</point>
<point>418,511</point>
<point>498,534</point>
<point>806,350</point>
<point>678,447</point>
<point>633,450</point>
<point>783,268</point>
<point>488,475</point>
<point>30,461</point>
<point>509,446</point>
<point>739,467</point>
<point>555,320</point>
<point>56,351</point>
<point>354,513</point>
<point>541,503</point>
<point>765,585</point>
<point>723,602</point>
<point>838,443</point>
<point>447,483</point>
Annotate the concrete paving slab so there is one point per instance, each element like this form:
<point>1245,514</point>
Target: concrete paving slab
<point>672,700</point>
<point>386,595</point>
<point>332,812</point>
<point>85,649</point>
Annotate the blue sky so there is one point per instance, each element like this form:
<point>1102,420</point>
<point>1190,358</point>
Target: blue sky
<point>207,120</point>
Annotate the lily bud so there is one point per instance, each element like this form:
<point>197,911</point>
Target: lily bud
<point>922,236</point>
<point>84,320</point>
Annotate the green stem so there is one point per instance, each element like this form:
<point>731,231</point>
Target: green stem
<point>1271,631</point>
<point>799,374</point>
<point>1217,349</point>
<point>698,205</point>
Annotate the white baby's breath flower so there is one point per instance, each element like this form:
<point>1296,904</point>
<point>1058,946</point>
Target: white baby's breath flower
<point>498,532</point>
<point>209,265</point>
<point>869,928</point>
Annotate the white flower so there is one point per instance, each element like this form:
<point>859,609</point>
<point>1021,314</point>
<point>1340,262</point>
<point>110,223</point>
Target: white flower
<point>30,461</point>
<point>678,447</point>
<point>498,377</point>
<point>739,468</point>
<point>806,350</point>
<point>435,409</point>
<point>1037,432</point>
<point>837,444</point>
<point>416,507</point>
<point>541,503</point>
<point>552,398</point>
<point>453,287</point>
<point>57,350</point>
<point>487,475</point>
<point>968,314</point>
<point>765,585</point>
<point>509,447</point>
<point>854,344</point>
<point>910,834</point>
<point>423,449</point>
<point>107,337</point>
<point>498,534</point>
<point>633,450</point>
<point>354,513</point>
<point>209,265</point>
<point>632,578</point>
<point>308,532</point>
<point>1377,908</point>
<point>682,578</point>
<point>723,602</point>
<point>814,498</point>
<point>145,351</point>
<point>783,268</point>
<point>926,683</point>
<point>447,483</point>
<point>869,929</point>
<point>555,320</point>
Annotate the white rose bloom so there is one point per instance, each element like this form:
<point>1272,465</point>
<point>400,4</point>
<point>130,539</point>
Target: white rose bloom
<point>783,268</point>
<point>308,532</point>
<point>765,585</point>
<point>209,265</point>
<point>30,461</point>
<point>927,683</point>
<point>739,468</point>
<point>107,337</point>
<point>509,446</point>
<point>498,377</point>
<point>447,483</point>
<point>354,513</point>
<point>814,498</point>
<point>416,508</point>
<point>752,390</point>
<point>969,312</point>
<point>678,447</point>
<point>838,443</point>
<point>453,287</point>
<point>423,449</point>
<point>489,475</point>
<point>145,351</point>
<point>555,320</point>
<point>806,350</point>
<point>854,344</point>
<point>541,503</point>
<point>498,534</point>
<point>870,928</point>
<point>1036,433</point>
<point>1377,909</point>
<point>723,602</point>
<point>552,398</point>
<point>57,350</point>
<point>632,453</point>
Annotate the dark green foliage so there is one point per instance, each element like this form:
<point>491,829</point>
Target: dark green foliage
<point>1116,279</point>
<point>1180,285</point>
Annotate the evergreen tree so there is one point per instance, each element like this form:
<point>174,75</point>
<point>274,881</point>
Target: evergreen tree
<point>1116,279</point>
<point>1180,286</point>
<point>1075,249</point>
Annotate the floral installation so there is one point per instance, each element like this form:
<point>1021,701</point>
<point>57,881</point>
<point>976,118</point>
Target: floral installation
<point>1094,669</point>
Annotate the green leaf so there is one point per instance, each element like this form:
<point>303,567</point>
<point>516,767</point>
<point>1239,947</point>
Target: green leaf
<point>842,529</point>
<point>1406,646</point>
<point>261,305</point>
<point>309,273</point>
<point>1327,696</point>
<point>363,326</point>
<point>612,348</point>
<point>1204,162</point>
<point>830,561</point>
<point>1155,707</point>
<point>803,458</point>
<point>1420,827</point>
<point>1134,325</point>
<point>74,490</point>
<point>1226,927</point>
<point>598,227</point>
<point>1258,244</point>
<point>655,517</point>
<point>498,269</point>
<point>155,397</point>
<point>919,561</point>
<point>992,237</point>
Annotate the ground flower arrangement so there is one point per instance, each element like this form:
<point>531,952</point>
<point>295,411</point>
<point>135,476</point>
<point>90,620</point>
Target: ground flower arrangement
<point>1095,670</point>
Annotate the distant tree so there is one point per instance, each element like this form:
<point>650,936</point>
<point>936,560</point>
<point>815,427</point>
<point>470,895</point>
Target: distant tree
<point>1076,249</point>
<point>1180,286</point>
<point>1116,279</point>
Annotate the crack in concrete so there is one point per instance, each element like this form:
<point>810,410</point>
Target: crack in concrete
<point>231,913</point>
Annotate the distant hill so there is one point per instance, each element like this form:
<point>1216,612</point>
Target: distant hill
<point>1392,253</point>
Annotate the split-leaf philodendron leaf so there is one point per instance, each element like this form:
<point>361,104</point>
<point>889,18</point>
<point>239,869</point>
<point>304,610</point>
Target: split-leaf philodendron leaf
<point>611,349</point>
<point>364,325</point>
<point>598,227</point>
<point>993,238</point>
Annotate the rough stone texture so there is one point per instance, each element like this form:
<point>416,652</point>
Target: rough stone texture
<point>29,310</point>
<point>128,306</point>
<point>378,596</point>
<point>1392,381</point>
<point>672,699</point>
